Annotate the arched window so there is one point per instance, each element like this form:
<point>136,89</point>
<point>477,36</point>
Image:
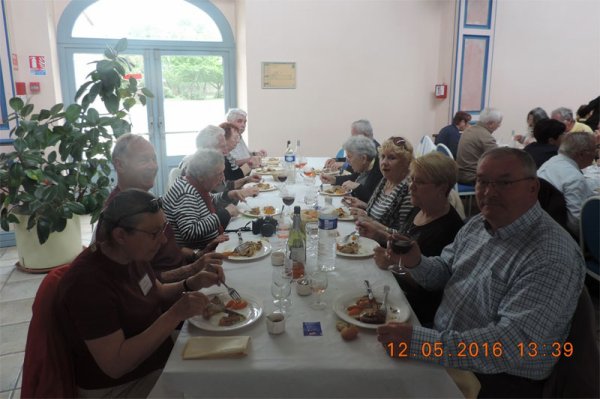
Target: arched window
<point>182,50</point>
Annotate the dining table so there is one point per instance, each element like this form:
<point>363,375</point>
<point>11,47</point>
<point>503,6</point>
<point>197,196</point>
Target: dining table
<point>310,359</point>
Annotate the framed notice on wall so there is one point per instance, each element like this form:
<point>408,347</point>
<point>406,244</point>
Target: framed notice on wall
<point>278,75</point>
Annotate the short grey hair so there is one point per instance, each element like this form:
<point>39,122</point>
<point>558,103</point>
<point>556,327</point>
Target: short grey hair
<point>122,145</point>
<point>209,137</point>
<point>527,162</point>
<point>204,163</point>
<point>564,114</point>
<point>574,143</point>
<point>490,115</point>
<point>364,127</point>
<point>233,113</point>
<point>361,145</point>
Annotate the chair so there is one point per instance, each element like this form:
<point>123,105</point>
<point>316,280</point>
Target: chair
<point>576,376</point>
<point>553,202</point>
<point>444,150</point>
<point>340,154</point>
<point>425,145</point>
<point>467,191</point>
<point>47,368</point>
<point>589,235</point>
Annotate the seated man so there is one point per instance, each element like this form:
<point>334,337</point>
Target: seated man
<point>565,115</point>
<point>241,153</point>
<point>511,278</point>
<point>134,160</point>
<point>563,171</point>
<point>450,135</point>
<point>548,134</point>
<point>474,141</point>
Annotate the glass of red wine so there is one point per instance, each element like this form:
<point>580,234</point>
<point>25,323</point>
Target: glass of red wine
<point>288,197</point>
<point>400,244</point>
<point>281,177</point>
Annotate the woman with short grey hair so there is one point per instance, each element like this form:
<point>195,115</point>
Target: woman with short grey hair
<point>361,154</point>
<point>196,215</point>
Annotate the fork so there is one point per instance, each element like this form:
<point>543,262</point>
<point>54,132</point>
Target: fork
<point>232,292</point>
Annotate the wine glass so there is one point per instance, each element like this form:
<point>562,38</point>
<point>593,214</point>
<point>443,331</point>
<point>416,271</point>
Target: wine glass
<point>282,177</point>
<point>300,162</point>
<point>400,244</point>
<point>281,288</point>
<point>318,284</point>
<point>288,197</point>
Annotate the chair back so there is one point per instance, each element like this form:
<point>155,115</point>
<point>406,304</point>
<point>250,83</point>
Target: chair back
<point>443,148</point>
<point>576,376</point>
<point>589,227</point>
<point>47,368</point>
<point>340,154</point>
<point>553,202</point>
<point>425,146</point>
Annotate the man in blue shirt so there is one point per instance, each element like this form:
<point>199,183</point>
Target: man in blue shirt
<point>450,135</point>
<point>511,279</point>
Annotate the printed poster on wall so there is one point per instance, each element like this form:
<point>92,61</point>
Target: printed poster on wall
<point>37,65</point>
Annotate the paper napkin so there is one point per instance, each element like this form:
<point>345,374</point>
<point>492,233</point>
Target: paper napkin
<point>216,347</point>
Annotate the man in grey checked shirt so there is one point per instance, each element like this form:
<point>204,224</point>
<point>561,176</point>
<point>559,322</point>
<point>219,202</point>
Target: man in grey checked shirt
<point>511,280</point>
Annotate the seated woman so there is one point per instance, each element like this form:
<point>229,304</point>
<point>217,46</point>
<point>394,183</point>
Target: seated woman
<point>433,223</point>
<point>232,138</point>
<point>361,154</point>
<point>197,215</point>
<point>389,204</point>
<point>117,317</point>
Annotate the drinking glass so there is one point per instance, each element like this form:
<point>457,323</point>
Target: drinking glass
<point>288,197</point>
<point>312,243</point>
<point>318,284</point>
<point>400,244</point>
<point>282,178</point>
<point>311,196</point>
<point>281,288</point>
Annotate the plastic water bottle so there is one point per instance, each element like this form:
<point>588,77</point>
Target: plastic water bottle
<point>327,235</point>
<point>290,162</point>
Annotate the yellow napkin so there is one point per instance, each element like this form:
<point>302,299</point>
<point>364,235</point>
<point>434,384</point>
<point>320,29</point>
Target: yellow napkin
<point>216,347</point>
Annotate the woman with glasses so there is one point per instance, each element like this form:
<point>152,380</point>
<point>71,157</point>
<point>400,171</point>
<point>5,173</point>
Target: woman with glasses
<point>361,155</point>
<point>197,215</point>
<point>389,204</point>
<point>432,223</point>
<point>117,317</point>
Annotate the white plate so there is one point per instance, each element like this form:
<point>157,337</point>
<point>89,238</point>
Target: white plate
<point>269,170</point>
<point>230,246</point>
<point>366,248</point>
<point>246,212</point>
<point>397,310</point>
<point>270,188</point>
<point>272,161</point>
<point>324,192</point>
<point>252,312</point>
<point>347,212</point>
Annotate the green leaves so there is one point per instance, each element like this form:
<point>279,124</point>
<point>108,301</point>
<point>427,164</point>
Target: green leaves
<point>60,165</point>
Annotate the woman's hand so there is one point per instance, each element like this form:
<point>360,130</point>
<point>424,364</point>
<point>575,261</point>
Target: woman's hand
<point>207,261</point>
<point>327,179</point>
<point>367,227</point>
<point>233,211</point>
<point>350,185</point>
<point>353,202</point>
<point>358,212</point>
<point>240,195</point>
<point>382,260</point>
<point>410,259</point>
<point>189,305</point>
<point>332,164</point>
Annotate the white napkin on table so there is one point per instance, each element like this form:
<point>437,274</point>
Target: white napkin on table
<point>216,347</point>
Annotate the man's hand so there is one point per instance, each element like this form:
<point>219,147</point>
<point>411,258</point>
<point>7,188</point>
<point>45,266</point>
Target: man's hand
<point>397,334</point>
<point>208,259</point>
<point>189,305</point>
<point>332,164</point>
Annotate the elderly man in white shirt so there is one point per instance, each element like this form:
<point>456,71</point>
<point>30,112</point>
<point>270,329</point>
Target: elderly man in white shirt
<point>563,171</point>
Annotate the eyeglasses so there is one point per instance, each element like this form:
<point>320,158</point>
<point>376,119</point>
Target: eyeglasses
<point>154,235</point>
<point>498,184</point>
<point>399,141</point>
<point>154,205</point>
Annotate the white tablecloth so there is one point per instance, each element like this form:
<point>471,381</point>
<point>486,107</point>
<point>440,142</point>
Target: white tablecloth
<point>294,365</point>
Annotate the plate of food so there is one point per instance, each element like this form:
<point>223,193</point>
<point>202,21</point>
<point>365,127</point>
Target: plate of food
<point>344,213</point>
<point>225,314</point>
<point>248,250</point>
<point>271,161</point>
<point>260,211</point>
<point>355,308</point>
<point>309,215</point>
<point>334,191</point>
<point>268,170</point>
<point>262,186</point>
<point>332,172</point>
<point>356,247</point>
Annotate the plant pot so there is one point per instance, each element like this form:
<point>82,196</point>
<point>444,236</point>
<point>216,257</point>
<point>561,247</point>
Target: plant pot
<point>60,248</point>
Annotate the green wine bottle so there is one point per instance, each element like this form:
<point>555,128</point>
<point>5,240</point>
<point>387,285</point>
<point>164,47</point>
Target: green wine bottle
<point>297,240</point>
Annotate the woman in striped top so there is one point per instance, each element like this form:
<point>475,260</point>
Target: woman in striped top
<point>196,215</point>
<point>390,203</point>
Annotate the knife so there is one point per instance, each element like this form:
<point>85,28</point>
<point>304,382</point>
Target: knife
<point>369,291</point>
<point>222,308</point>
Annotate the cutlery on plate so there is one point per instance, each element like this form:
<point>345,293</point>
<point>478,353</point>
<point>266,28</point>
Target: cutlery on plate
<point>369,291</point>
<point>383,309</point>
<point>232,292</point>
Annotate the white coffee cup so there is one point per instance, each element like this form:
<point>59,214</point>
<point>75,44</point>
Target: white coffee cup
<point>275,323</point>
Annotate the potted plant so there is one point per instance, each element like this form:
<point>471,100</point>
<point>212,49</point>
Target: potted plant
<point>60,166</point>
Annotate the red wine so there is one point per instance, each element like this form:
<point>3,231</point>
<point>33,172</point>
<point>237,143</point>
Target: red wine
<point>288,200</point>
<point>401,246</point>
<point>282,178</point>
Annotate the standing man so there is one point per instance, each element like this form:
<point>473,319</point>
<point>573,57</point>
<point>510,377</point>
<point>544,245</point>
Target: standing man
<point>476,140</point>
<point>511,280</point>
<point>134,160</point>
<point>450,135</point>
<point>241,153</point>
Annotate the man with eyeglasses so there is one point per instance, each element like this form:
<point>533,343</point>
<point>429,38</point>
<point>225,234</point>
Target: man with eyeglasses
<point>474,141</point>
<point>511,279</point>
<point>134,159</point>
<point>563,171</point>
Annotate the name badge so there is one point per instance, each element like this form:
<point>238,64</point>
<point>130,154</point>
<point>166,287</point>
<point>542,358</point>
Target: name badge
<point>145,284</point>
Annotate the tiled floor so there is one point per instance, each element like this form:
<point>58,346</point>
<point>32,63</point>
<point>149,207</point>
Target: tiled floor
<point>17,290</point>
